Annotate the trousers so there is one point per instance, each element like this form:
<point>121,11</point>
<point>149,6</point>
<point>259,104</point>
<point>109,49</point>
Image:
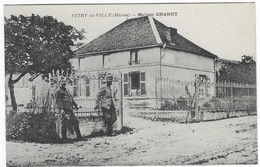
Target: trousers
<point>109,117</point>
<point>68,123</point>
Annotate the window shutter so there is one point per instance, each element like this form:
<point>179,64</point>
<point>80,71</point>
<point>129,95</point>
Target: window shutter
<point>142,83</point>
<point>131,58</point>
<point>136,57</point>
<point>126,85</point>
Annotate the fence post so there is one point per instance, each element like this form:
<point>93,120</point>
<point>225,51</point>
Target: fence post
<point>248,95</point>
<point>120,98</point>
<point>232,101</point>
<point>161,92</point>
<point>196,99</point>
<point>156,106</point>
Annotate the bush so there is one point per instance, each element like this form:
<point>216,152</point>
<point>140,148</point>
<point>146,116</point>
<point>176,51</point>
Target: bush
<point>180,104</point>
<point>30,127</point>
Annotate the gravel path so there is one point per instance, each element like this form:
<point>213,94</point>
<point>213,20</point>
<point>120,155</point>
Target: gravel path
<point>230,141</point>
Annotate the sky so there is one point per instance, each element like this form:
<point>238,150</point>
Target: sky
<point>226,30</point>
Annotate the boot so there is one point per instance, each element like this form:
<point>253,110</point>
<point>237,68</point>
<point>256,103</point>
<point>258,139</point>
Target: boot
<point>64,130</point>
<point>76,128</point>
<point>109,130</point>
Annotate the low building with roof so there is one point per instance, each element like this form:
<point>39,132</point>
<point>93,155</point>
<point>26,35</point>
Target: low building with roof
<point>143,50</point>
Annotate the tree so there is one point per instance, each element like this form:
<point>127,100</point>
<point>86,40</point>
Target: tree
<point>247,59</point>
<point>36,45</point>
<point>244,71</point>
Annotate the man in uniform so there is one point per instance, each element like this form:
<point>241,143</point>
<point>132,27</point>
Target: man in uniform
<point>105,101</point>
<point>65,102</point>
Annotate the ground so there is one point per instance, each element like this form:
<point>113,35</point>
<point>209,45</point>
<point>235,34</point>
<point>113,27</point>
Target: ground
<point>229,141</point>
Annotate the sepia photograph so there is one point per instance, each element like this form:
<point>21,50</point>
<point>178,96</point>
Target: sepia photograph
<point>130,84</point>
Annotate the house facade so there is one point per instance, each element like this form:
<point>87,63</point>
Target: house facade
<point>151,61</point>
<point>139,51</point>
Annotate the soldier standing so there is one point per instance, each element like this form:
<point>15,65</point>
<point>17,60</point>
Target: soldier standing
<point>105,101</point>
<point>65,102</point>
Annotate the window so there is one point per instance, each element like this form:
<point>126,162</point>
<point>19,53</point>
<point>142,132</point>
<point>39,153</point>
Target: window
<point>87,87</point>
<point>126,85</point>
<point>103,60</point>
<point>75,87</point>
<point>203,88</point>
<point>134,83</point>
<point>142,83</point>
<point>125,77</point>
<point>82,87</point>
<point>135,80</point>
<point>202,78</point>
<point>134,58</point>
<point>131,59</point>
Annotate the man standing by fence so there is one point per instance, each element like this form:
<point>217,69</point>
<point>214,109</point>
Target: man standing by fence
<point>65,102</point>
<point>105,101</point>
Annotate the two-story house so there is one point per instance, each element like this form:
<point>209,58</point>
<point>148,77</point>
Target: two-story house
<point>141,49</point>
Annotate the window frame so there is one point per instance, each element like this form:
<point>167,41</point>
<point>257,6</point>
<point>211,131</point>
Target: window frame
<point>143,82</point>
<point>87,87</point>
<point>126,84</point>
<point>75,87</point>
<point>134,57</point>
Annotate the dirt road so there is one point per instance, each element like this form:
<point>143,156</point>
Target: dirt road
<point>230,141</point>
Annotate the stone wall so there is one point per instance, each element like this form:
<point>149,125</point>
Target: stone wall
<point>186,116</point>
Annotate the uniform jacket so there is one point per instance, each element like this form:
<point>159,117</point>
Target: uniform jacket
<point>64,99</point>
<point>104,97</point>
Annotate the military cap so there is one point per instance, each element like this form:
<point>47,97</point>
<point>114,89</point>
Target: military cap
<point>109,78</point>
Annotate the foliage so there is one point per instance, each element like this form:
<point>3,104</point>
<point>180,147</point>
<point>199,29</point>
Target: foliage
<point>244,71</point>
<point>30,127</point>
<point>216,103</point>
<point>37,44</point>
<point>179,104</point>
<point>247,59</point>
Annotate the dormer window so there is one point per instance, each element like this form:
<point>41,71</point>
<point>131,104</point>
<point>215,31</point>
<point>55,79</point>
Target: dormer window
<point>134,57</point>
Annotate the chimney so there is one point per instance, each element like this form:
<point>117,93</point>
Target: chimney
<point>173,31</point>
<point>170,35</point>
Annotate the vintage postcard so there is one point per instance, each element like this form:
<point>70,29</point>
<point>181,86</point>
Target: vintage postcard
<point>130,84</point>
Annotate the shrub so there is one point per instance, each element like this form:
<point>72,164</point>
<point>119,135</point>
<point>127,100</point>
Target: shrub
<point>30,127</point>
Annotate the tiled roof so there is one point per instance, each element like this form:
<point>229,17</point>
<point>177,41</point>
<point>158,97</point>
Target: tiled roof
<point>138,33</point>
<point>133,33</point>
<point>178,42</point>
